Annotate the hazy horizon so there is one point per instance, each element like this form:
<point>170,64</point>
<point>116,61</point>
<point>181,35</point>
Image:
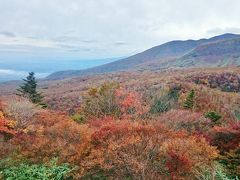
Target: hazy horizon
<point>16,69</point>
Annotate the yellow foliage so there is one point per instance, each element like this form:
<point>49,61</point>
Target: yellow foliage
<point>1,115</point>
<point>12,123</point>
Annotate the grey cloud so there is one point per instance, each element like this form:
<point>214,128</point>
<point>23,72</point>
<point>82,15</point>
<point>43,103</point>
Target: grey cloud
<point>74,48</point>
<point>70,38</point>
<point>8,34</point>
<point>86,50</point>
<point>67,46</point>
<point>66,38</point>
<point>224,30</point>
<point>89,41</point>
<point>33,37</point>
<point>81,50</point>
<point>97,24</point>
<point>120,43</point>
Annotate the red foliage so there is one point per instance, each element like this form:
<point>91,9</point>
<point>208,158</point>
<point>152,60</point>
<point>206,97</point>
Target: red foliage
<point>130,104</point>
<point>54,135</point>
<point>135,150</point>
<point>6,132</point>
<point>229,82</point>
<point>191,122</point>
<point>97,123</point>
<point>178,164</point>
<point>226,138</point>
<point>4,127</point>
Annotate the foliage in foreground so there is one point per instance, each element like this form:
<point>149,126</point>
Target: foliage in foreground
<point>111,138</point>
<point>50,171</point>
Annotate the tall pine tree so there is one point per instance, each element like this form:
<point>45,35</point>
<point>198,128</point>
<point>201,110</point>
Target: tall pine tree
<point>29,90</point>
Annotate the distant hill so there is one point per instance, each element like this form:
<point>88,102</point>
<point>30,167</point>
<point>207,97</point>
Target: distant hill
<point>162,56</point>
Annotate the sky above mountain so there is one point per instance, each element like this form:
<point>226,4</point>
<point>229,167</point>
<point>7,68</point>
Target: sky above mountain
<point>108,28</point>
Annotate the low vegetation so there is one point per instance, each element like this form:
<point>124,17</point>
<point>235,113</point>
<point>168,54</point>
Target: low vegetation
<point>174,129</point>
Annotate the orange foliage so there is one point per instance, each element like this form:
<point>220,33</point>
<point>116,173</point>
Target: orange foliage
<point>54,135</point>
<point>5,126</point>
<point>112,100</point>
<point>192,122</point>
<point>126,149</point>
<point>130,104</point>
<point>6,132</point>
<point>226,138</point>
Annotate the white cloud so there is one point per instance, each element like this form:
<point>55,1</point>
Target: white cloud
<point>4,72</point>
<point>94,28</point>
<point>9,74</point>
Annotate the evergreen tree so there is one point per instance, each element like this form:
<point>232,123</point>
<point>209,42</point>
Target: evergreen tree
<point>29,90</point>
<point>189,102</point>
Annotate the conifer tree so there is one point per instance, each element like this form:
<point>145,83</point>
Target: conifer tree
<point>189,102</point>
<point>29,90</point>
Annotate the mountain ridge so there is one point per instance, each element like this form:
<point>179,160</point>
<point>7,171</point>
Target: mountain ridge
<point>158,54</point>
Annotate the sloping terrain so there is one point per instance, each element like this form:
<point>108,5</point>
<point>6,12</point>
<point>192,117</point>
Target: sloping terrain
<point>187,119</point>
<point>222,53</point>
<point>158,57</point>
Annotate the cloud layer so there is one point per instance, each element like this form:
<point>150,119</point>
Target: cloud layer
<point>107,28</point>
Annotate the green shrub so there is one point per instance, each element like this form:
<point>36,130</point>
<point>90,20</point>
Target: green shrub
<point>231,162</point>
<point>79,118</point>
<point>214,116</point>
<point>189,102</point>
<point>218,174</point>
<point>237,113</point>
<point>174,92</point>
<point>101,102</point>
<point>164,100</point>
<point>35,171</point>
<point>160,105</point>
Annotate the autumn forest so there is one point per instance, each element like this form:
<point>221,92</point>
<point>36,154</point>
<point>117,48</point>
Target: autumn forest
<point>176,124</point>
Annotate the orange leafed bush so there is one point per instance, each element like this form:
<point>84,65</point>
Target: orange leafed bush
<point>125,149</point>
<point>226,138</point>
<point>130,104</point>
<point>111,100</point>
<point>54,135</point>
<point>5,126</point>
<point>6,133</point>
<point>117,148</point>
<point>188,157</point>
<point>190,121</point>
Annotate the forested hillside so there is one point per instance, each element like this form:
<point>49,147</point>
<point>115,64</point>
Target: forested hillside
<point>177,124</point>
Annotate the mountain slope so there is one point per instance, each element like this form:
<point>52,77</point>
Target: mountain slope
<point>159,55</point>
<point>221,53</point>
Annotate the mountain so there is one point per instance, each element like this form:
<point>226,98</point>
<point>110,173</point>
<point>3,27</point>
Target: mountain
<point>162,56</point>
<point>221,53</point>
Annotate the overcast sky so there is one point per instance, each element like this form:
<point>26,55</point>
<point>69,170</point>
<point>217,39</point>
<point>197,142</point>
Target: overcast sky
<point>108,28</point>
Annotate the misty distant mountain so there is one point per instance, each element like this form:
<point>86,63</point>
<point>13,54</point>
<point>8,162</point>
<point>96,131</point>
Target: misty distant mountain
<point>220,50</point>
<point>16,68</point>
